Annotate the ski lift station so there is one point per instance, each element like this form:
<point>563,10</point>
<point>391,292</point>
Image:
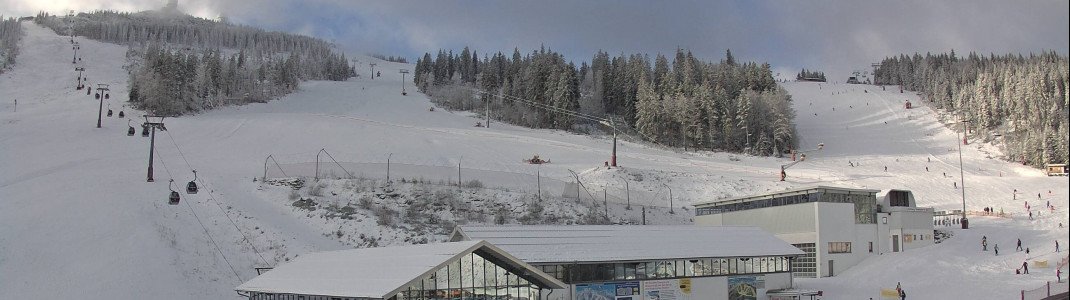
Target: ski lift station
<point>836,228</point>
<point>606,262</point>
<point>548,262</point>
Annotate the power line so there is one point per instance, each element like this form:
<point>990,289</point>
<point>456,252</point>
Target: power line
<point>205,228</point>
<point>211,196</point>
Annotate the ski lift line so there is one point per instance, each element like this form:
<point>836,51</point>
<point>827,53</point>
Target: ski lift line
<point>205,228</point>
<point>212,197</point>
<point>567,112</point>
<point>548,107</point>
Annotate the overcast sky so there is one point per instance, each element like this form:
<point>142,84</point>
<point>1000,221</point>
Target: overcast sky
<point>834,36</point>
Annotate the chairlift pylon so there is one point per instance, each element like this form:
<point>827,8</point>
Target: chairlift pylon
<point>191,188</point>
<point>175,198</point>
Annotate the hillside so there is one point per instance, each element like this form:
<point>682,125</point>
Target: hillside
<point>79,220</point>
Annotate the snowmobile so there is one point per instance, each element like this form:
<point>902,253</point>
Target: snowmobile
<point>535,160</point>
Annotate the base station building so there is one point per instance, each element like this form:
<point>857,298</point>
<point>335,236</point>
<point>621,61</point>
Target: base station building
<point>620,262</point>
<point>462,270</point>
<point>836,228</point>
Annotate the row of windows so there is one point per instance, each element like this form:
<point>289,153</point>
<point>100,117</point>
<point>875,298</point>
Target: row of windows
<point>573,273</point>
<point>865,204</point>
<point>919,237</point>
<point>269,296</point>
<point>472,276</point>
<point>805,266</point>
<point>839,247</point>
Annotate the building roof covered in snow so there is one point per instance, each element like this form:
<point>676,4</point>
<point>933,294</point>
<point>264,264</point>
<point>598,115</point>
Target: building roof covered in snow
<point>378,273</point>
<point>604,243</point>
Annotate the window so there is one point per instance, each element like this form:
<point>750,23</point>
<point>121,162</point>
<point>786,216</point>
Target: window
<point>839,247</point>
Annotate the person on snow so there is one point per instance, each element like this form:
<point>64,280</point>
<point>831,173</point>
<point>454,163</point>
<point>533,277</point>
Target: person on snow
<point>1019,245</point>
<point>1025,267</point>
<point>926,169</point>
<point>1026,250</point>
<point>902,294</point>
<point>984,243</point>
<point>996,248</point>
<point>1056,245</point>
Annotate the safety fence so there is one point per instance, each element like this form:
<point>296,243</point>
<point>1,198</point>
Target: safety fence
<point>1049,289</point>
<point>324,166</point>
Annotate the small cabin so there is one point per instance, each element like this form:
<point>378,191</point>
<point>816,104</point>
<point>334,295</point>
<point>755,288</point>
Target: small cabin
<point>853,80</point>
<point>1056,169</point>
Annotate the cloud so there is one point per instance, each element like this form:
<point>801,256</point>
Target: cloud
<point>835,36</point>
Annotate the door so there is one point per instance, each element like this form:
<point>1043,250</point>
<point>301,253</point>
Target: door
<point>831,268</point>
<point>895,243</point>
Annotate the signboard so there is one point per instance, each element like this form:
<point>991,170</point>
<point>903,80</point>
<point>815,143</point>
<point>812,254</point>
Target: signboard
<point>743,288</point>
<point>608,291</point>
<point>670,289</point>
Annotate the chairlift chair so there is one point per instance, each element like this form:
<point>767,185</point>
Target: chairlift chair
<point>109,110</point>
<point>107,96</point>
<point>131,131</point>
<point>121,114</point>
<point>173,200</point>
<point>144,130</point>
<point>191,188</point>
<point>96,96</point>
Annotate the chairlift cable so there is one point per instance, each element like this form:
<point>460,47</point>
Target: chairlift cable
<point>211,196</point>
<point>205,228</point>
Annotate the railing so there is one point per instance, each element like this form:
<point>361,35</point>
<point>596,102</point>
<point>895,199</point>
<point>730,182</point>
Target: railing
<point>536,183</point>
<point>1047,290</point>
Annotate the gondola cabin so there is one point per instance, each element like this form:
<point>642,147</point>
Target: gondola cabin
<point>173,200</point>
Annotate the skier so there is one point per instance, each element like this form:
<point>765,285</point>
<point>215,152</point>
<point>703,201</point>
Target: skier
<point>996,248</point>
<point>984,243</point>
<point>902,295</point>
<point>1030,215</point>
<point>1056,245</point>
<point>1026,250</point>
<point>1025,267</point>
<point>1019,245</point>
<point>886,168</point>
<point>1059,275</point>
<point>955,184</point>
<point>926,169</point>
<point>929,159</point>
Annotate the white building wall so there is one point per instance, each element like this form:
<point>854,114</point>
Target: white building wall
<point>788,219</point>
<point>838,225</point>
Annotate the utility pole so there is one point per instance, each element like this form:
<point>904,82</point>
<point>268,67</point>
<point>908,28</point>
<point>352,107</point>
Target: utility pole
<point>75,47</point>
<point>154,122</point>
<point>605,202</point>
<point>962,181</point>
<point>627,193</point>
<point>101,89</point>
<point>403,72</point>
<point>538,182</point>
<point>373,69</point>
<point>459,170</point>
<point>80,70</point>
<point>670,200</point>
<point>644,214</point>
<point>388,166</point>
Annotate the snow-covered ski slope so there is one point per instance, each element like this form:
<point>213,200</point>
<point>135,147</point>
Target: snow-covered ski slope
<point>77,218</point>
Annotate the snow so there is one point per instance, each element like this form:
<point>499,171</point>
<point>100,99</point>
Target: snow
<point>78,220</point>
<point>602,243</point>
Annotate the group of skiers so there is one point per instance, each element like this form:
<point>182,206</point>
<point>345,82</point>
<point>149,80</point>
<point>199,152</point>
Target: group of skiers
<point>1024,269</point>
